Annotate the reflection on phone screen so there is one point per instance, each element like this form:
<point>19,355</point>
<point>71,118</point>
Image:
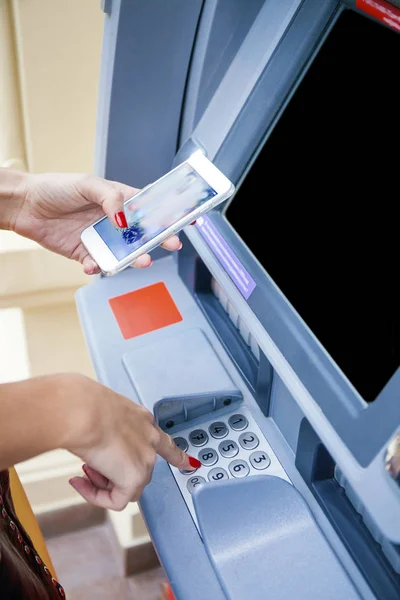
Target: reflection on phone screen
<point>156,209</point>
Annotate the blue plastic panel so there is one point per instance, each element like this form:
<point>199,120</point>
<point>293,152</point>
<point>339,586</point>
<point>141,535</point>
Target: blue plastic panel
<point>222,29</point>
<point>146,53</point>
<point>259,528</point>
<point>166,368</point>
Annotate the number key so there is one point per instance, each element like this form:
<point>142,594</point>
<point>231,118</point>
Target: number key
<point>239,468</point>
<point>218,429</point>
<point>248,440</point>
<point>198,437</point>
<point>238,422</point>
<point>228,448</point>
<point>194,482</point>
<point>208,457</point>
<point>217,474</point>
<point>181,443</point>
<point>260,460</point>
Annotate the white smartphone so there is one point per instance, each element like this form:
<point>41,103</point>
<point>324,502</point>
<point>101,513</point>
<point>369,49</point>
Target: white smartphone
<point>156,212</point>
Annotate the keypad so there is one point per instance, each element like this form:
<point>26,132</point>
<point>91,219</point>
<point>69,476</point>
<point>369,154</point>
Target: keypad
<point>227,449</point>
<point>230,447</point>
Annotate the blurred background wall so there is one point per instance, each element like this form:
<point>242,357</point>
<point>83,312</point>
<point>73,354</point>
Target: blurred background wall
<point>49,71</point>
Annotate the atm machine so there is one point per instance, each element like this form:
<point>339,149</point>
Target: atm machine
<point>269,346</point>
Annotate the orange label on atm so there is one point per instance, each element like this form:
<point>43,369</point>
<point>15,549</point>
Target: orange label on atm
<point>145,310</point>
<point>379,9</point>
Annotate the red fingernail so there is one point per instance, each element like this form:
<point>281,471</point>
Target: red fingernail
<point>193,223</point>
<point>120,219</point>
<point>170,595</point>
<point>194,462</point>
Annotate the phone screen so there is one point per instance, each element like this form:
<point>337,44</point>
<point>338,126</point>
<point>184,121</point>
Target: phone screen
<point>156,209</point>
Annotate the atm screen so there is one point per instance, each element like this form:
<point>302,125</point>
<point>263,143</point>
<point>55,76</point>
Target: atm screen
<point>328,183</point>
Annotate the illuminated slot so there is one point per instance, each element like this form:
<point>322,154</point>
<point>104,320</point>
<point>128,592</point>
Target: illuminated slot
<point>235,317</point>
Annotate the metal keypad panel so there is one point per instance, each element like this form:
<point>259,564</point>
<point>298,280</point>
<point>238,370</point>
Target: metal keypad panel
<point>230,447</point>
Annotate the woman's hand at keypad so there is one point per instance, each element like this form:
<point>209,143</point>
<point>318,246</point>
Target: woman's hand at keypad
<point>119,443</point>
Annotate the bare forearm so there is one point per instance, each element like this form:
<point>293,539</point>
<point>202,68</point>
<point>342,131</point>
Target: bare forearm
<point>12,189</point>
<point>36,416</point>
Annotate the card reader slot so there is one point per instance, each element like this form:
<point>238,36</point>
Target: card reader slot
<point>227,323</point>
<point>228,334</point>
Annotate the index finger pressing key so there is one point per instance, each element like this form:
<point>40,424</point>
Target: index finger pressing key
<point>171,453</point>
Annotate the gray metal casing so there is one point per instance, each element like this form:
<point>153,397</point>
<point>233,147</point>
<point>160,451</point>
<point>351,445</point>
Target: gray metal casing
<point>158,102</point>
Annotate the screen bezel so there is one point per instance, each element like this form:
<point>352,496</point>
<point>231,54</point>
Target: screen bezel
<point>108,262</point>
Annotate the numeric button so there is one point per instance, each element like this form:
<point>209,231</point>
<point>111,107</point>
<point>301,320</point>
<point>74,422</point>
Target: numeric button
<point>248,440</point>
<point>208,457</point>
<point>218,430</point>
<point>198,437</point>
<point>228,448</point>
<point>238,422</point>
<point>181,443</point>
<point>194,482</point>
<point>260,460</point>
<point>217,474</point>
<point>239,468</point>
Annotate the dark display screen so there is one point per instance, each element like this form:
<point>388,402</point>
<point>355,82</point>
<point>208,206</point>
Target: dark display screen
<point>319,207</point>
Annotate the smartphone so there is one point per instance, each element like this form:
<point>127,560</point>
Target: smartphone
<point>156,212</point>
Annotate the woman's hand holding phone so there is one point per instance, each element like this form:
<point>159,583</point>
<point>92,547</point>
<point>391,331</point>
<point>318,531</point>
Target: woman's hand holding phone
<point>156,213</point>
<point>53,209</point>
